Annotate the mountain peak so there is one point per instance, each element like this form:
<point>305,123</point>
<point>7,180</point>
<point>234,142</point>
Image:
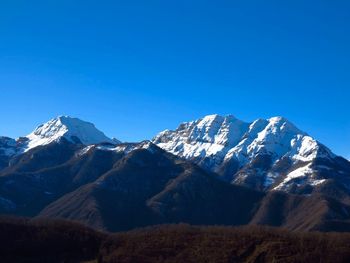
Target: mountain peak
<point>218,117</point>
<point>70,128</point>
<point>239,150</point>
<point>278,119</point>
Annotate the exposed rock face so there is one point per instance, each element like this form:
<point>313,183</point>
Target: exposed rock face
<point>270,154</point>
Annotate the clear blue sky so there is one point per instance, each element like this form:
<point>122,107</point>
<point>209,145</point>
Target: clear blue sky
<point>135,68</point>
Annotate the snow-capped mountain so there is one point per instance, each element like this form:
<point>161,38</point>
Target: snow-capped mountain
<point>72,129</point>
<point>270,154</point>
<point>78,172</point>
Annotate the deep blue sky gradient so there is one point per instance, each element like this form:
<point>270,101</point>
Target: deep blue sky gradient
<point>135,68</point>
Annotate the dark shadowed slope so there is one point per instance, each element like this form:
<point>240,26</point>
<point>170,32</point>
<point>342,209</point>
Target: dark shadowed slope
<point>303,213</point>
<point>44,174</point>
<point>150,186</point>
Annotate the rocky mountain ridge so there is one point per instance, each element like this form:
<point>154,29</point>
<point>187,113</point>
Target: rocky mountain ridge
<point>270,154</point>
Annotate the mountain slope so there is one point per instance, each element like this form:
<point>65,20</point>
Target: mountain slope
<point>149,186</point>
<point>7,150</point>
<point>270,154</point>
<point>303,213</point>
<point>41,175</point>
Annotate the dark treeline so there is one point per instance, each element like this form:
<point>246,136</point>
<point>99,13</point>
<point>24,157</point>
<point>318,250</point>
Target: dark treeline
<point>25,240</point>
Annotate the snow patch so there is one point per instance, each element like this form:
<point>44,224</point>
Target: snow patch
<point>270,179</point>
<point>297,173</point>
<point>317,182</point>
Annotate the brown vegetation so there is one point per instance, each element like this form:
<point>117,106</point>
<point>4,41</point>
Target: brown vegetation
<point>24,240</point>
<point>184,243</point>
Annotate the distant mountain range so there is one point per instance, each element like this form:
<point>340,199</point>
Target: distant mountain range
<point>215,170</point>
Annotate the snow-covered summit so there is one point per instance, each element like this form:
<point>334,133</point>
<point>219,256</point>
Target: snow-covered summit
<point>203,137</point>
<point>240,151</point>
<point>215,134</point>
<point>72,129</point>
